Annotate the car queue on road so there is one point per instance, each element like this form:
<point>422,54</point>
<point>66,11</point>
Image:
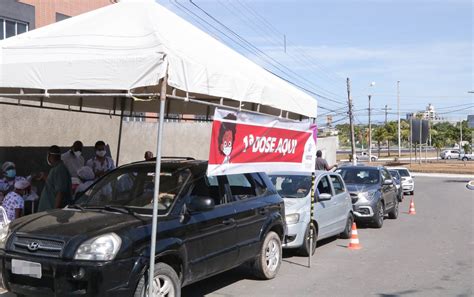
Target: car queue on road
<point>98,246</point>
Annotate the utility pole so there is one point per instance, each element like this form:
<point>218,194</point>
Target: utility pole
<point>370,133</point>
<point>460,141</point>
<point>386,109</point>
<point>398,111</point>
<point>351,122</point>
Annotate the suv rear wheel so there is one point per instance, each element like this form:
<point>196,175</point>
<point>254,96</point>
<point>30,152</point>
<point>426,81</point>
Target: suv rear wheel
<point>378,216</point>
<point>165,283</point>
<point>304,250</point>
<point>268,262</point>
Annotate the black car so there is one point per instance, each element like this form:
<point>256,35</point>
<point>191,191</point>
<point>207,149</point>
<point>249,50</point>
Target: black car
<point>101,245</point>
<point>373,193</point>
<point>398,183</point>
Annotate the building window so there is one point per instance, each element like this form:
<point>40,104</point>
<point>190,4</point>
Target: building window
<point>9,28</point>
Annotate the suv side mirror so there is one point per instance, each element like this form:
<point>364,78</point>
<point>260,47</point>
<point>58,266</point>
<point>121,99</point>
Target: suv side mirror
<point>324,197</point>
<point>201,203</point>
<point>388,182</point>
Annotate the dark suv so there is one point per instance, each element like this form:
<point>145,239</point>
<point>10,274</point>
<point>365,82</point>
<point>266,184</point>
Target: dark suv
<point>100,246</point>
<point>373,192</point>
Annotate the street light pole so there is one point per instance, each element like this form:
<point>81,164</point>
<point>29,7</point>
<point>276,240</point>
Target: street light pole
<point>351,122</point>
<point>398,111</point>
<point>370,133</point>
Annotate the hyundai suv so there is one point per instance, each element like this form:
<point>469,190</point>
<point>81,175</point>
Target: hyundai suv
<point>100,246</point>
<point>373,193</point>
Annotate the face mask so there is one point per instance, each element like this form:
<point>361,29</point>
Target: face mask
<point>100,153</point>
<point>77,154</point>
<point>227,150</point>
<point>10,173</point>
<point>47,160</point>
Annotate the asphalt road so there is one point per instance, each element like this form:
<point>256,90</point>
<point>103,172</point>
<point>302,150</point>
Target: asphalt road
<point>427,254</point>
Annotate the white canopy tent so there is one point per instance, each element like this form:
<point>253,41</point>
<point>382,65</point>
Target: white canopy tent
<point>129,56</point>
<point>127,48</point>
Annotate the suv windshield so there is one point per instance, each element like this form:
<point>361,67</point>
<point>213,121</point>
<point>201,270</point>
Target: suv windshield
<point>364,176</point>
<point>403,172</point>
<point>292,186</point>
<point>133,187</point>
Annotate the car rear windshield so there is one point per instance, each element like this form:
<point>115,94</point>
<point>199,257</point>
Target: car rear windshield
<point>359,176</point>
<point>292,186</point>
<point>403,172</point>
<point>133,187</point>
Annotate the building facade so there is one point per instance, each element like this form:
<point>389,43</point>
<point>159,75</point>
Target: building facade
<point>19,16</point>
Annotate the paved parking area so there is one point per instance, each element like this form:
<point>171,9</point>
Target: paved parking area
<point>429,254</point>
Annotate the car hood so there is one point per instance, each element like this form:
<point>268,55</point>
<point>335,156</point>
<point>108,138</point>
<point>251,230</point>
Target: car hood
<point>66,223</point>
<point>293,205</point>
<point>359,188</point>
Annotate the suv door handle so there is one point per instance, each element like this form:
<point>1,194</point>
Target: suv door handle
<point>263,211</point>
<point>228,222</point>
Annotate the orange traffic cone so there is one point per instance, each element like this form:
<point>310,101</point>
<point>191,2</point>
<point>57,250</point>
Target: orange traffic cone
<point>354,243</point>
<point>412,210</point>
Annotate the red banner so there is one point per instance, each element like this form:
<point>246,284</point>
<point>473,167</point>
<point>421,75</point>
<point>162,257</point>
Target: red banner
<point>243,142</point>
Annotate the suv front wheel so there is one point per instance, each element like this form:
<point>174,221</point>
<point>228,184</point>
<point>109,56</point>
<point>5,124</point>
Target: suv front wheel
<point>378,216</point>
<point>268,262</point>
<point>165,283</point>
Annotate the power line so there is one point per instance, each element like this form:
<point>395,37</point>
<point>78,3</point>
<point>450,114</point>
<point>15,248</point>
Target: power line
<point>257,51</point>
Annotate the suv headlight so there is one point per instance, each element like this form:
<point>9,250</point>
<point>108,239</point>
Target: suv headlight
<point>3,235</point>
<point>100,248</point>
<point>292,218</point>
<point>366,195</point>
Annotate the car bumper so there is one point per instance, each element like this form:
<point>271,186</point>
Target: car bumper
<point>295,236</point>
<point>364,210</point>
<point>116,278</point>
<point>408,187</point>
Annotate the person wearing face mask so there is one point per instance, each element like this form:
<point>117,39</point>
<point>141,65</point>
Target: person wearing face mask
<point>57,189</point>
<point>100,164</point>
<point>9,177</point>
<point>73,158</point>
<point>14,202</point>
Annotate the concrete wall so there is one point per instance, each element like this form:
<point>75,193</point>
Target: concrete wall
<point>34,127</point>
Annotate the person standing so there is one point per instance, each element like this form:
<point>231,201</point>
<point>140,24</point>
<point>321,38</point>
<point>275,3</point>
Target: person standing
<point>321,163</point>
<point>73,159</point>
<point>57,189</point>
<point>14,202</point>
<point>100,164</point>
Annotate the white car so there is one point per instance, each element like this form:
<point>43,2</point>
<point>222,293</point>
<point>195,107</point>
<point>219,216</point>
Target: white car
<point>332,207</point>
<point>408,183</point>
<point>466,157</point>
<point>364,156</point>
<point>449,154</point>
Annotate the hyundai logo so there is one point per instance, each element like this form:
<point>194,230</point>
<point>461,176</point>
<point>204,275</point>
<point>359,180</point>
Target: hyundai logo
<point>33,246</point>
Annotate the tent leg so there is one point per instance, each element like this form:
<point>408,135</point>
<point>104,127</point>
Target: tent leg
<point>122,107</point>
<point>157,187</point>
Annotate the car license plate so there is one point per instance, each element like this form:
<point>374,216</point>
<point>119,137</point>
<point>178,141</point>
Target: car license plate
<point>31,269</point>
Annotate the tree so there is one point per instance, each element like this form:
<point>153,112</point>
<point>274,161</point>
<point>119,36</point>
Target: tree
<point>392,133</point>
<point>379,135</point>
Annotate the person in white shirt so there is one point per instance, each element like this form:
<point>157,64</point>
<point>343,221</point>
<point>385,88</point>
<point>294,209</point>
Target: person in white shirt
<point>73,158</point>
<point>100,164</point>
<point>87,177</point>
<point>14,202</point>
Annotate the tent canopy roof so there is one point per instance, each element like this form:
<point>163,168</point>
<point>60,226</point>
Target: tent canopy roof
<point>128,48</point>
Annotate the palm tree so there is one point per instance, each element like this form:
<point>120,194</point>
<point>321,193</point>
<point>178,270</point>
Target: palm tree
<point>380,134</point>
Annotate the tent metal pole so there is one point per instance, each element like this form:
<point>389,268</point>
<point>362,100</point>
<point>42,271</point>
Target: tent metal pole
<point>154,226</point>
<point>122,108</point>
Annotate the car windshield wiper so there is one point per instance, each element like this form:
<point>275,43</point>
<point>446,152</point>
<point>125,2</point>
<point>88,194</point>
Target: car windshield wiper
<point>114,208</point>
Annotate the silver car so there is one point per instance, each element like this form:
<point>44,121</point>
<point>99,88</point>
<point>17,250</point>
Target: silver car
<point>332,208</point>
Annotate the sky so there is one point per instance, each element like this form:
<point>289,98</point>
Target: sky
<point>427,45</point>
